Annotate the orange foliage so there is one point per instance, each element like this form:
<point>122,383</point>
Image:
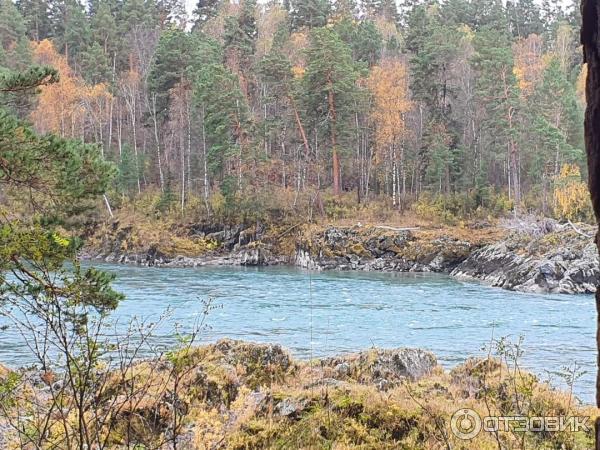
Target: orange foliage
<point>298,71</point>
<point>389,84</point>
<point>295,51</point>
<point>529,64</point>
<point>69,107</point>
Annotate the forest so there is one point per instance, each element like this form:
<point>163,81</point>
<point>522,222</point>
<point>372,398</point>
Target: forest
<point>457,106</point>
<point>418,138</point>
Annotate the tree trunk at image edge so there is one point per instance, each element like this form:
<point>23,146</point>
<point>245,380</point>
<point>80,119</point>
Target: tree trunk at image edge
<point>590,32</point>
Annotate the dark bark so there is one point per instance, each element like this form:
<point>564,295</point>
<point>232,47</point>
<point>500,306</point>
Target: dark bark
<point>590,11</point>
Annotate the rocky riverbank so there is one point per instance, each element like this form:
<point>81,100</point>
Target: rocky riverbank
<point>381,249</point>
<point>241,395</point>
<point>548,258</point>
<point>563,260</point>
<point>555,259</point>
<point>193,245</point>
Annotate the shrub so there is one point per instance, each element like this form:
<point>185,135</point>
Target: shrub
<point>571,196</point>
<point>474,204</point>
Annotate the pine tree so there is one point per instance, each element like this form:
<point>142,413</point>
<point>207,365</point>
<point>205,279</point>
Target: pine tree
<point>142,13</point>
<point>240,33</point>
<point>524,18</point>
<point>331,90</point>
<point>363,38</point>
<point>309,13</point>
<point>37,19</point>
<point>104,27</point>
<point>499,97</point>
<point>276,71</point>
<point>15,55</point>
<point>205,10</point>
<point>172,63</point>
<point>433,47</point>
<point>95,65</point>
<point>70,28</point>
<point>12,26</point>
<point>62,179</point>
<point>225,115</point>
<point>27,80</point>
<point>52,168</point>
<point>496,91</point>
<point>240,45</point>
<point>15,45</point>
<point>557,123</point>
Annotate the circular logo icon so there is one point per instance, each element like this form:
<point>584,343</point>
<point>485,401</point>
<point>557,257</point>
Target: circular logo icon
<point>465,423</point>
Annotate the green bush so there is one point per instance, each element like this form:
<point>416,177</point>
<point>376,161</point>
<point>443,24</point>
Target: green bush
<point>474,204</point>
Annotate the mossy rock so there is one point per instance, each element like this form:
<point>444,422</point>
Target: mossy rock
<point>359,250</point>
<point>261,364</point>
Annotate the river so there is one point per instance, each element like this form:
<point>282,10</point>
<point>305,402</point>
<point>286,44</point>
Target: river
<point>326,313</point>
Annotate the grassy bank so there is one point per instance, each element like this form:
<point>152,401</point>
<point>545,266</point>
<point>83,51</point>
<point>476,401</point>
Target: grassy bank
<point>151,223</point>
<point>238,395</point>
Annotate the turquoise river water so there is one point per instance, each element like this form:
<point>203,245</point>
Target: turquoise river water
<point>326,313</point>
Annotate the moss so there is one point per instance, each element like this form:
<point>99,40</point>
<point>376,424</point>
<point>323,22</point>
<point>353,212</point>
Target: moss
<point>228,399</point>
<point>353,416</point>
<point>349,407</point>
<point>185,246</point>
<point>418,251</point>
<point>359,250</point>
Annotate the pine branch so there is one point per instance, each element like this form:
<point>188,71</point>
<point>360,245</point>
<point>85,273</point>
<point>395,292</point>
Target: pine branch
<point>30,79</point>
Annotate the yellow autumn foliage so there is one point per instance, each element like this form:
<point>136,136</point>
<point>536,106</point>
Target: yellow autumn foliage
<point>298,71</point>
<point>60,240</point>
<point>529,63</point>
<point>387,28</point>
<point>467,32</point>
<point>294,49</point>
<point>571,195</point>
<point>70,107</point>
<point>388,83</point>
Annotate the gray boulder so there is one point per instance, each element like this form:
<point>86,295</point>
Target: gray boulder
<point>382,367</point>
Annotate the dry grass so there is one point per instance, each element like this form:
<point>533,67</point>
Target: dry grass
<point>286,218</point>
<point>237,395</point>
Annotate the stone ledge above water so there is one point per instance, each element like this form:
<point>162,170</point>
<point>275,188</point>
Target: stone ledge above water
<point>561,261</point>
<point>558,260</point>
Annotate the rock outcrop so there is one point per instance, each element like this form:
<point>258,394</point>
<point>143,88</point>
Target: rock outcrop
<point>383,368</point>
<point>244,395</point>
<point>557,259</point>
<point>377,249</point>
<point>548,258</point>
<point>200,244</point>
<point>563,261</point>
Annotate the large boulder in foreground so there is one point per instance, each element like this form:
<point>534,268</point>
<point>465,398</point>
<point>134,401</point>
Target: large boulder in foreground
<point>383,367</point>
<point>252,354</point>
